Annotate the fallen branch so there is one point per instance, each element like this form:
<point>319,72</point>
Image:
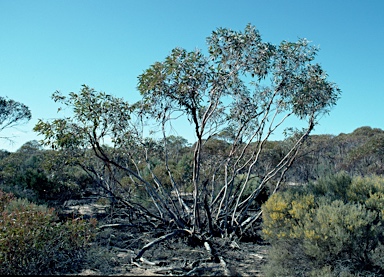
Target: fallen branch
<point>160,239</point>
<point>221,259</point>
<point>208,247</point>
<point>145,261</point>
<point>224,266</point>
<point>248,223</point>
<point>117,225</point>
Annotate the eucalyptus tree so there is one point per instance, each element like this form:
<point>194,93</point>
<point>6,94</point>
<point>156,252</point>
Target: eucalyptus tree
<point>252,88</point>
<point>12,113</point>
<point>241,92</point>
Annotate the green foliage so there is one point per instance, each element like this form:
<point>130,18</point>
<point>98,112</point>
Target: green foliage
<point>368,156</point>
<point>99,114</point>
<point>39,175</point>
<point>12,113</point>
<point>243,85</point>
<point>21,173</point>
<point>333,187</point>
<point>253,183</point>
<point>369,192</point>
<point>334,225</point>
<point>34,242</point>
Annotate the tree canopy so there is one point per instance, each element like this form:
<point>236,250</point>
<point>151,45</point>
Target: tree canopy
<point>239,94</point>
<point>12,113</point>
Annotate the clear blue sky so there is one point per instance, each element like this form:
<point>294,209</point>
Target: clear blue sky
<point>59,45</point>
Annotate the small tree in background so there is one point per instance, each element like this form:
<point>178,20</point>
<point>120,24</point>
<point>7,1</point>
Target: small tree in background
<point>12,113</point>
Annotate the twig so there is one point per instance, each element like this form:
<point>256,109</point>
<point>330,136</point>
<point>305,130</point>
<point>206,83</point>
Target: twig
<point>147,262</point>
<point>116,225</point>
<point>160,239</point>
<point>224,266</point>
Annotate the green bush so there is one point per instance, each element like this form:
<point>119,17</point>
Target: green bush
<point>369,192</point>
<point>333,187</point>
<point>333,227</point>
<point>32,241</point>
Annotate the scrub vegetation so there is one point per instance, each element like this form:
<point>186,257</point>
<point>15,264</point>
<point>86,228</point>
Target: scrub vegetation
<point>113,188</point>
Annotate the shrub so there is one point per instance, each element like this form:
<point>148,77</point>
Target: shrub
<point>34,242</point>
<point>368,191</point>
<point>332,227</point>
<point>333,187</point>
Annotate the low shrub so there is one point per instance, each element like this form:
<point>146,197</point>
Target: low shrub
<point>33,241</point>
<point>333,227</point>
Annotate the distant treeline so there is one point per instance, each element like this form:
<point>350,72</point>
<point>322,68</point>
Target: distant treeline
<point>42,175</point>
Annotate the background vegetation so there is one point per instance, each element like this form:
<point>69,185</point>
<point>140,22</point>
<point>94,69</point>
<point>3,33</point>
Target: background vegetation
<point>218,188</point>
<point>332,225</point>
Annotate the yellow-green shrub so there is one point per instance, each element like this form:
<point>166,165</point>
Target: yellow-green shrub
<point>281,213</point>
<point>368,191</point>
<point>32,241</point>
<point>320,228</point>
